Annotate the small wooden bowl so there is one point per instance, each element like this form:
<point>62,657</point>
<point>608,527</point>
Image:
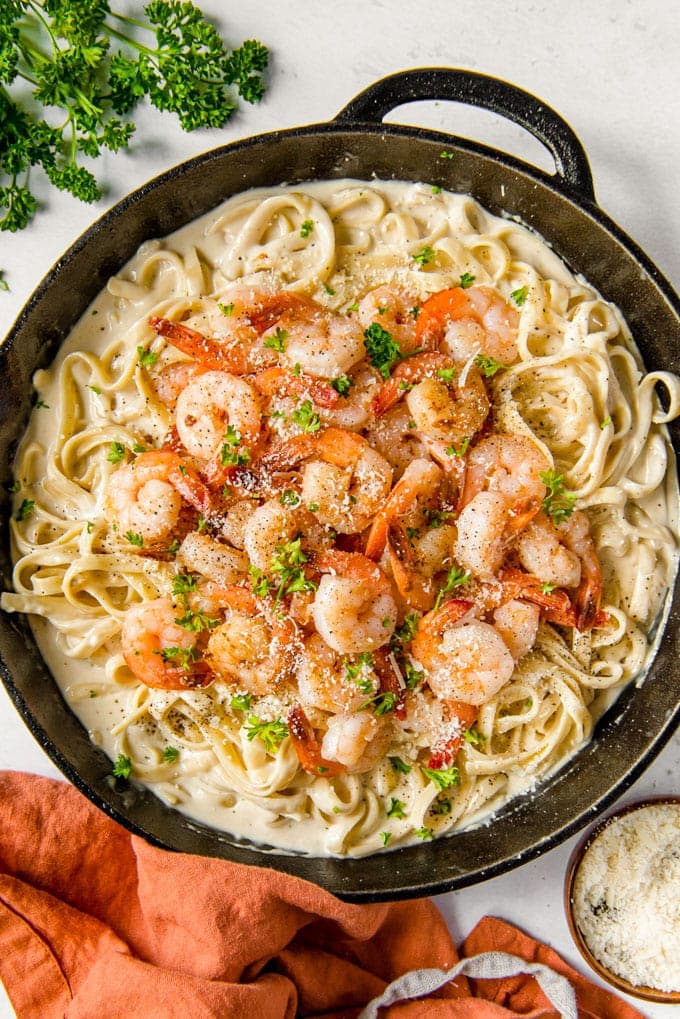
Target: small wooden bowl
<point>577,856</point>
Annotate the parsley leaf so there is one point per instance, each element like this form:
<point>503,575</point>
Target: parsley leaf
<point>488,365</point>
<point>170,754</point>
<point>306,417</point>
<point>277,341</point>
<point>519,296</point>
<point>272,734</point>
<point>400,766</point>
<point>306,228</point>
<point>558,503</point>
<point>467,280</point>
<point>241,702</point>
<point>342,384</point>
<point>122,767</point>
<point>382,350</point>
<point>116,452</point>
<point>443,778</point>
<point>134,538</point>
<point>424,256</point>
<point>25,510</point>
<point>226,309</point>
<point>232,453</point>
<point>396,809</point>
<point>146,357</point>
<point>454,578</point>
<point>424,833</point>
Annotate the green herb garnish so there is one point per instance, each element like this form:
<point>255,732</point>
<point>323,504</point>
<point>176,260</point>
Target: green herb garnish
<point>134,538</point>
<point>306,228</point>
<point>122,767</point>
<point>443,778</point>
<point>558,503</point>
<point>277,341</point>
<point>272,734</point>
<point>396,809</point>
<point>400,766</point>
<point>488,365</point>
<point>226,309</point>
<point>519,296</point>
<point>424,256</point>
<point>382,350</point>
<point>306,417</point>
<point>25,510</point>
<point>342,384</point>
<point>170,754</point>
<point>466,280</point>
<point>146,357</point>
<point>454,578</point>
<point>232,453</point>
<point>116,452</point>
<point>241,702</point>
<point>86,67</point>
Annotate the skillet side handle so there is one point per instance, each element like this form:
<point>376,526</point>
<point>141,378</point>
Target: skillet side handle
<point>489,93</point>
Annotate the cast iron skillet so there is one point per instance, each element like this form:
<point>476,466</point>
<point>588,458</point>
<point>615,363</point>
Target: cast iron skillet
<point>357,144</point>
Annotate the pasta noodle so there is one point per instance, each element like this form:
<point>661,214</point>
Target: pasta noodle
<point>257,750</point>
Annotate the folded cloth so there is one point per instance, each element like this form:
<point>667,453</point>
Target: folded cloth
<point>95,922</point>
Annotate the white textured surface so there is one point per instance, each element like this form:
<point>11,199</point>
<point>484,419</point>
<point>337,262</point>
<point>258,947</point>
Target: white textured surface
<point>610,68</point>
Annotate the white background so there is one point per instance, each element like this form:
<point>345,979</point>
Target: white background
<point>611,68</point>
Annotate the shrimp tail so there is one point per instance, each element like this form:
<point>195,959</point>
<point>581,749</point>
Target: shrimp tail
<point>210,353</point>
<point>555,605</point>
<point>412,585</point>
<point>307,746</point>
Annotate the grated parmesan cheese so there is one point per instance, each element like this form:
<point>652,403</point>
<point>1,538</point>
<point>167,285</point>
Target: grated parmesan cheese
<point>626,896</point>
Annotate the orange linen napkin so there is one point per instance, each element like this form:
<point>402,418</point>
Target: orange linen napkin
<point>94,923</point>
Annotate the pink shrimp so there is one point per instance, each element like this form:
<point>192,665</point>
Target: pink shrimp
<point>159,652</point>
<point>465,322</point>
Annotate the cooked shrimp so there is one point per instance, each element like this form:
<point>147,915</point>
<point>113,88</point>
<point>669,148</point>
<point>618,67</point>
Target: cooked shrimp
<point>395,437</point>
<point>420,480</point>
<point>414,586</point>
<point>348,483</point>
<point>146,496</point>
<point>272,525</point>
<point>464,658</point>
<point>277,381</point>
<point>353,410</point>
<point>445,405</point>
<point>457,717</point>
<point>214,560</point>
<point>257,646</point>
<point>357,740</point>
<point>330,682</point>
<point>564,555</point>
<point>354,608</point>
<point>159,652</point>
<point>319,341</point>
<point>395,311</point>
<point>226,342</point>
<point>465,322</point>
<point>511,466</point>
<point>307,746</point>
<point>169,382</point>
<point>210,404</point>
<point>517,623</point>
<point>449,413</point>
<point>481,542</point>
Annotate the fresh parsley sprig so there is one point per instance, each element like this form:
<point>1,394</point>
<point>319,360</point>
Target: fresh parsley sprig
<point>558,503</point>
<point>87,67</point>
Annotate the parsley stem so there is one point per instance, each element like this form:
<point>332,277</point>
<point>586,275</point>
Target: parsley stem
<point>128,20</point>
<point>140,47</point>
<point>37,10</point>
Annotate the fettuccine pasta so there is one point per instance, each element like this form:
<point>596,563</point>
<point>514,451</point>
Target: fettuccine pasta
<point>344,514</point>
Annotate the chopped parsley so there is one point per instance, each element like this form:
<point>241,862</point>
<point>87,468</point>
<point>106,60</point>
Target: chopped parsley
<point>412,677</point>
<point>414,311</point>
<point>183,584</point>
<point>261,582</point>
<point>424,256</point>
<point>436,190</point>
<point>382,350</point>
<point>241,702</point>
<point>287,563</point>
<point>41,404</point>
<point>405,633</point>
<point>353,307</point>
<point>440,807</point>
<point>461,450</point>
<point>226,309</point>
<point>96,390</point>
<point>446,155</point>
<point>353,669</point>
<point>396,809</point>
<point>548,588</point>
<point>466,280</point>
<point>328,290</point>
<point>400,766</point>
<point>182,656</point>
<point>474,738</point>
<point>424,833</point>
<point>25,510</point>
<point>306,228</point>
<point>306,417</point>
<point>116,453</point>
<point>122,767</point>
<point>272,734</point>
<point>342,384</point>
<point>196,622</point>
<point>381,703</point>
<point>146,357</point>
<point>454,578</point>
<point>385,836</point>
<point>436,518</point>
<point>519,296</point>
<point>558,503</point>
<point>289,497</point>
<point>607,421</point>
<point>447,375</point>
<point>134,538</point>
<point>488,365</point>
<point>170,754</point>
<point>277,341</point>
<point>443,778</point>
<point>232,453</point>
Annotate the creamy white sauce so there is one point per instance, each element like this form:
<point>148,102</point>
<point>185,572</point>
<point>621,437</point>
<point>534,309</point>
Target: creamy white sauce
<point>189,788</point>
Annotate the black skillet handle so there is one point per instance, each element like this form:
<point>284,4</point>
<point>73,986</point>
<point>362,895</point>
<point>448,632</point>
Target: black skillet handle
<point>493,94</point>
